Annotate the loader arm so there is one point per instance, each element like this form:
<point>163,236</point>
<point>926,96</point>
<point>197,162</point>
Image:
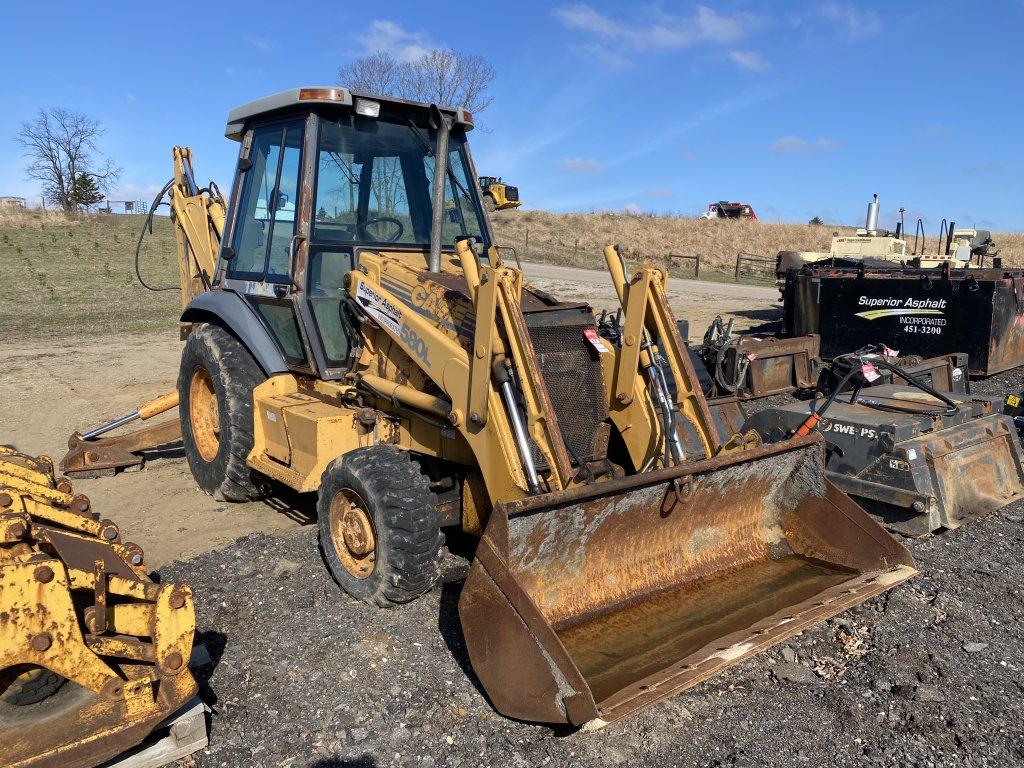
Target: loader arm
<point>448,365</point>
<point>651,329</point>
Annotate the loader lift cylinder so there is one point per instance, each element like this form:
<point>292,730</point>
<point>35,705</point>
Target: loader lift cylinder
<point>518,428</point>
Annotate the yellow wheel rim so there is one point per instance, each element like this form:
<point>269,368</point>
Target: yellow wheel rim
<point>203,414</point>
<point>352,533</point>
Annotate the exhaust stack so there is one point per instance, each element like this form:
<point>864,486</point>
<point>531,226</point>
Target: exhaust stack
<point>871,223</point>
<point>440,178</point>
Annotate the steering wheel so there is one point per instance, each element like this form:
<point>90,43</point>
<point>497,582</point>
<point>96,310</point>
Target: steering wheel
<point>385,219</point>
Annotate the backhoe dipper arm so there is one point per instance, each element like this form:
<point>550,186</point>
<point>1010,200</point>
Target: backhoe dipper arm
<point>199,224</point>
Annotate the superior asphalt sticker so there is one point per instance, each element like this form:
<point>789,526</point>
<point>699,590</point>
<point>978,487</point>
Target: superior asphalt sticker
<point>379,308</point>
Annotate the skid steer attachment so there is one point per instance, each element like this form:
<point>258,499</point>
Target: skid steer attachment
<point>589,604</point>
<point>93,654</point>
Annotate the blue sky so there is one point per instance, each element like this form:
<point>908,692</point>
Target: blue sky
<point>801,109</point>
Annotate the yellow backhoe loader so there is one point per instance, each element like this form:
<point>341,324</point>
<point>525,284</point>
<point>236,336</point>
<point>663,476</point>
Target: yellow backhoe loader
<point>93,654</point>
<point>363,339</point>
<point>359,336</point>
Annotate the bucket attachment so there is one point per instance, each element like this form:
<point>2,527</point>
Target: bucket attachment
<point>587,605</point>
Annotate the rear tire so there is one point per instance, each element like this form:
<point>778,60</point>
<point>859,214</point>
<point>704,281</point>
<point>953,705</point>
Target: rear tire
<point>215,385</point>
<point>379,529</point>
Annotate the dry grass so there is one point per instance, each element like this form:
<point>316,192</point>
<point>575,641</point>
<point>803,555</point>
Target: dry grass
<point>34,218</point>
<point>577,238</point>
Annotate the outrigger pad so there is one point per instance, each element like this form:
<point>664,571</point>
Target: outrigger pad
<point>590,604</point>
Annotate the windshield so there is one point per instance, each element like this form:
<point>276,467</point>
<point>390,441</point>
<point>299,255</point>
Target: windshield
<point>375,180</point>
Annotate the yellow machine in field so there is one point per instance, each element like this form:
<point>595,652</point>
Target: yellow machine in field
<point>362,338</point>
<point>93,654</point>
<point>497,195</point>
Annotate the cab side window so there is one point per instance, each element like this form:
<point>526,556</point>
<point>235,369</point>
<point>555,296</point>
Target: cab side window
<point>267,216</point>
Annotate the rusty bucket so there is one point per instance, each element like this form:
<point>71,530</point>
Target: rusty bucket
<point>584,606</point>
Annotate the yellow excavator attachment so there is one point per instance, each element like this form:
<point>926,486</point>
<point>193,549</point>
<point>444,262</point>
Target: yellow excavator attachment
<point>93,654</point>
<point>585,605</point>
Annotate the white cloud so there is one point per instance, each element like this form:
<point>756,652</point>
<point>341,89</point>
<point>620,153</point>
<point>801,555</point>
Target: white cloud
<point>659,30</point>
<point>658,192</point>
<point>791,145</point>
<point>264,44</point>
<point>581,165</point>
<point>383,35</point>
<point>687,154</point>
<point>130,98</point>
<point>794,145</point>
<point>631,208</point>
<point>749,60</point>
<point>850,20</point>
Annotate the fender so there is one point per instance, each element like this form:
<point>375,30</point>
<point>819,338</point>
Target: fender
<point>228,309</point>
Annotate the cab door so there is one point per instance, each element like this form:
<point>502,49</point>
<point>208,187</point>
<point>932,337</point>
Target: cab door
<point>267,232</point>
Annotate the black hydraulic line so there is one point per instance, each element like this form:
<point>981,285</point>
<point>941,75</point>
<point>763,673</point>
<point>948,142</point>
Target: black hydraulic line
<point>815,416</point>
<point>148,225</point>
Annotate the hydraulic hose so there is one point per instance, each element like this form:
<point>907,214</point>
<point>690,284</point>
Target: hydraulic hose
<point>811,422</point>
<point>148,225</point>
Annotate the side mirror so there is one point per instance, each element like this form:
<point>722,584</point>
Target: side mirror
<point>227,252</point>
<point>244,164</point>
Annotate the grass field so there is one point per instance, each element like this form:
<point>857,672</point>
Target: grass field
<point>68,277</point>
<point>74,276</point>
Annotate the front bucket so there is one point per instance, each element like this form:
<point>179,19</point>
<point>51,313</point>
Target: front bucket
<point>590,604</point>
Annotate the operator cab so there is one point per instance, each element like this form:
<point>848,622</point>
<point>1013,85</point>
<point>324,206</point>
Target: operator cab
<point>324,174</point>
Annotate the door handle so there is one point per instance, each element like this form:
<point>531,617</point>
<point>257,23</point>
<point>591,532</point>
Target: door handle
<point>291,248</point>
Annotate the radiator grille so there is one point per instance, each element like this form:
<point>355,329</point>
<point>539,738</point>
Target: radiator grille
<point>512,193</point>
<point>572,374</point>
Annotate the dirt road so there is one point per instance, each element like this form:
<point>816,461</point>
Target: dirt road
<point>51,388</point>
<point>695,300</point>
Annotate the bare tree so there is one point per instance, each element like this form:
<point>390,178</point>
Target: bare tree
<point>438,76</point>
<point>61,147</point>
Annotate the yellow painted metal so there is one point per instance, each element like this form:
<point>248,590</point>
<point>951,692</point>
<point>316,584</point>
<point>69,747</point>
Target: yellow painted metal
<point>158,405</point>
<point>76,601</point>
<point>649,318</point>
<point>483,290</point>
<point>496,192</point>
<point>199,223</point>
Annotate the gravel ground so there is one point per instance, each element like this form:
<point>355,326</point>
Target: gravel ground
<point>930,674</point>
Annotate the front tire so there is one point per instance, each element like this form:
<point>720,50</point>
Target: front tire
<point>378,525</point>
<point>215,385</point>
<point>489,204</point>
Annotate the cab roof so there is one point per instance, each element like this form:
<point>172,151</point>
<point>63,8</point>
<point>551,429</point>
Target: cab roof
<point>309,95</point>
